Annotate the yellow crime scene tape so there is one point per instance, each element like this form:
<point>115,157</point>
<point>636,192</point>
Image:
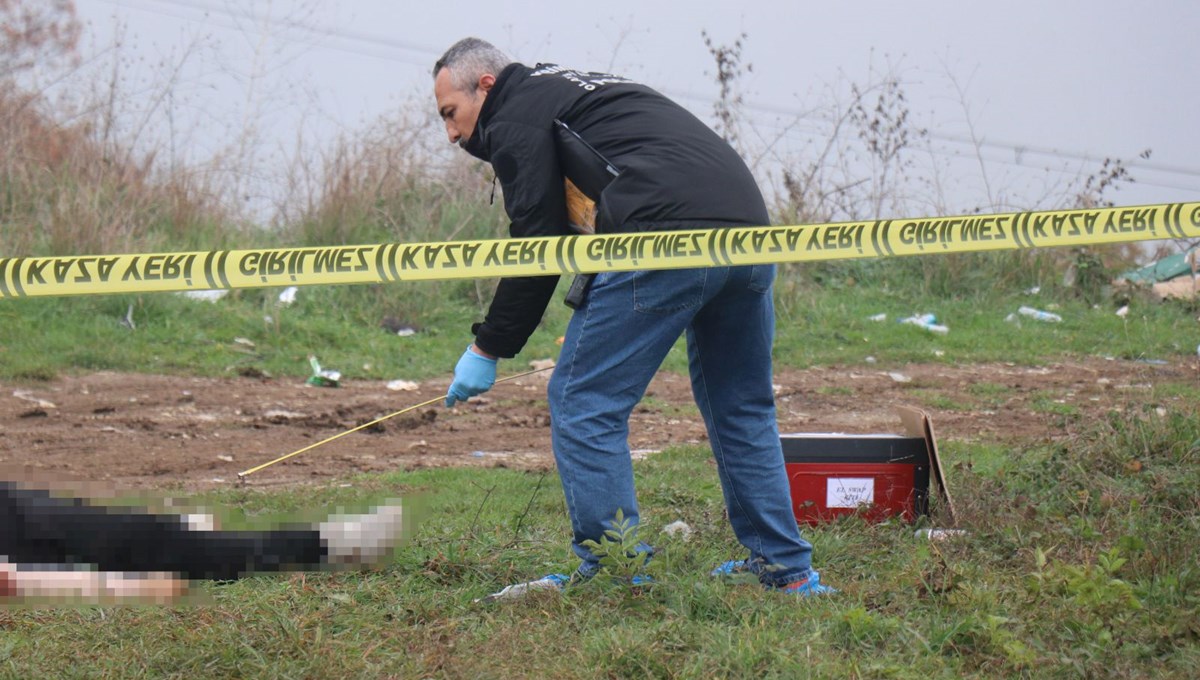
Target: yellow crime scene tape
<point>392,262</point>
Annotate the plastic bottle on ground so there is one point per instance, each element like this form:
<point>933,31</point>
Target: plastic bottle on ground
<point>1039,315</point>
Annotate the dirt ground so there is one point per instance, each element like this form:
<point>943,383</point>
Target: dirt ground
<point>152,432</point>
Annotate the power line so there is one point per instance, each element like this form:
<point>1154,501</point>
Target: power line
<point>988,153</point>
<point>312,37</point>
<point>291,26</point>
<point>379,40</point>
<point>1015,148</point>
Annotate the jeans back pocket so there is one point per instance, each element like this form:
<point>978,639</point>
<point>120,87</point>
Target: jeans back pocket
<point>761,277</point>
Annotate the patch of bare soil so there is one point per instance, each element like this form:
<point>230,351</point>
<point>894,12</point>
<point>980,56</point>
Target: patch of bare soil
<point>146,432</point>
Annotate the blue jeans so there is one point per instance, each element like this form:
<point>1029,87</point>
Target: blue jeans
<point>613,347</point>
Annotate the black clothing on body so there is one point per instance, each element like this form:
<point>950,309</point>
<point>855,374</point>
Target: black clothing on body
<point>38,528</point>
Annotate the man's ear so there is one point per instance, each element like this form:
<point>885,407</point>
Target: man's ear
<point>486,81</point>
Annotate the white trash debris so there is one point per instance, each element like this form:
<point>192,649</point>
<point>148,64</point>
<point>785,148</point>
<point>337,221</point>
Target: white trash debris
<point>401,328</point>
<point>288,296</point>
<point>1123,311</point>
<point>939,534</point>
<point>28,396</point>
<point>877,317</point>
<point>205,295</point>
<point>679,528</point>
<point>928,322</point>
<point>522,589</point>
<point>1039,315</point>
<point>403,386</point>
<point>323,377</point>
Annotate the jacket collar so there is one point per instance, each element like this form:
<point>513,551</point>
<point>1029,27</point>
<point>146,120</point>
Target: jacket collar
<point>477,144</point>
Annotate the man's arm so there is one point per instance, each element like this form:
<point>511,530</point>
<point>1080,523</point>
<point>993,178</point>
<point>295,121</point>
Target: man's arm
<point>526,165</point>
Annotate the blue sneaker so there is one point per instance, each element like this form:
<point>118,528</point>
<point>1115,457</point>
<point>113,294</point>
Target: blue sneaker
<point>808,587</point>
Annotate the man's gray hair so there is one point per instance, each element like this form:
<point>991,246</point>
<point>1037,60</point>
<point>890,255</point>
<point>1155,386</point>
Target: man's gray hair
<point>468,59</point>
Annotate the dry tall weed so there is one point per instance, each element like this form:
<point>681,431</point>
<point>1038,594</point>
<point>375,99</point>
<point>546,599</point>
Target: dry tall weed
<point>67,193</point>
<point>395,180</point>
<point>69,184</point>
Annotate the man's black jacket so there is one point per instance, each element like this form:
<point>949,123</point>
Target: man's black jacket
<point>675,173</point>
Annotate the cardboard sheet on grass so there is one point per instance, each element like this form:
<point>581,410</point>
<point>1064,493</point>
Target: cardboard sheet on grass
<point>879,475</point>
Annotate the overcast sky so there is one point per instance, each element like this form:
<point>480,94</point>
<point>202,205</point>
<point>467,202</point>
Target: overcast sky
<point>1047,89</point>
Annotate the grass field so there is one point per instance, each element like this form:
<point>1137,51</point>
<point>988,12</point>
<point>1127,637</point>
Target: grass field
<point>816,325</point>
<point>1074,565</point>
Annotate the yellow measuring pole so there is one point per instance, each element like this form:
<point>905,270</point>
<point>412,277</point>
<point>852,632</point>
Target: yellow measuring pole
<point>243,475</point>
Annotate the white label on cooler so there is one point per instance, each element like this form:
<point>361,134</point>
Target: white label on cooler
<point>849,492</point>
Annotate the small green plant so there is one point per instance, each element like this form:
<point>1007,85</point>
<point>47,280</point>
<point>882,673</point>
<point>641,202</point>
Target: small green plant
<point>988,389</point>
<point>990,635</point>
<point>942,402</point>
<point>1095,588</point>
<point>1089,275</point>
<point>618,550</point>
<point>1058,407</point>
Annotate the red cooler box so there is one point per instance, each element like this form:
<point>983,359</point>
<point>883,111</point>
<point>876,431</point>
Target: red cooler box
<point>878,475</point>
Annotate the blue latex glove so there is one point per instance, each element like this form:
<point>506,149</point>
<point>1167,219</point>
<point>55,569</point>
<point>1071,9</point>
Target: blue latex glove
<point>473,375</point>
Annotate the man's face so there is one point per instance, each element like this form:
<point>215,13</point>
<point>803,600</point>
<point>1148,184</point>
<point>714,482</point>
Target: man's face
<point>459,109</point>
